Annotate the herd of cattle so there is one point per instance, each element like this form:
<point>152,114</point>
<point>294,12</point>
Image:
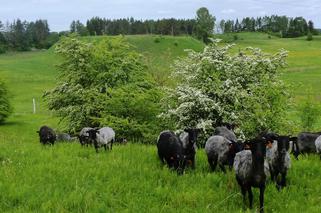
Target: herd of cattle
<point>267,155</point>
<point>103,137</point>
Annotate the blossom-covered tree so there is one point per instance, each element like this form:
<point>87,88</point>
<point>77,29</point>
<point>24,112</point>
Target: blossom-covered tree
<point>217,85</point>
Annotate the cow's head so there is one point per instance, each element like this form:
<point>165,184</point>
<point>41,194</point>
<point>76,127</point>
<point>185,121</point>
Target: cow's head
<point>92,135</point>
<point>258,148</point>
<point>283,144</point>
<point>192,134</point>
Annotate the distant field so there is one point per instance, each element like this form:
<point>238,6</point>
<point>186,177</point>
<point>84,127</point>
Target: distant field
<point>304,61</point>
<point>68,178</point>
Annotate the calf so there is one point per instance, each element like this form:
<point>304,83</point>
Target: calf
<point>188,139</point>
<point>103,137</point>
<point>84,136</point>
<point>64,137</point>
<point>249,170</point>
<point>225,132</point>
<point>170,150</point>
<point>47,135</point>
<point>306,143</point>
<point>222,151</point>
<point>279,159</point>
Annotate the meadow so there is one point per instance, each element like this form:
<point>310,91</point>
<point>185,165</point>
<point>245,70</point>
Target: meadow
<point>69,178</point>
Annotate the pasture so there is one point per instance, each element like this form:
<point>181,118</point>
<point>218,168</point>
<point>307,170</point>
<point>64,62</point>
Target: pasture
<point>69,178</point>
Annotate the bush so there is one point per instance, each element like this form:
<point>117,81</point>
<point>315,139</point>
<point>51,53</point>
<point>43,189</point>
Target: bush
<point>216,86</point>
<point>175,43</point>
<point>105,84</point>
<point>5,106</point>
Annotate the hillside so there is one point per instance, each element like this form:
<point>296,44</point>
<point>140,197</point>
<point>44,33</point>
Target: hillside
<point>70,178</point>
<point>304,64</point>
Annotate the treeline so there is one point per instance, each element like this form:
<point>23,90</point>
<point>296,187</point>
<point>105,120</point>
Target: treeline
<point>281,26</point>
<point>23,36</point>
<point>130,26</point>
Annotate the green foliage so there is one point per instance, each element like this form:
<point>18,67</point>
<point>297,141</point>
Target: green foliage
<point>5,106</point>
<point>104,84</point>
<point>309,113</point>
<point>215,86</point>
<point>204,24</point>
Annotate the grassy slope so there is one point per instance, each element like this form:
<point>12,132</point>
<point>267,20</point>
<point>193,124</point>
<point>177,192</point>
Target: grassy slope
<point>304,64</point>
<point>68,178</point>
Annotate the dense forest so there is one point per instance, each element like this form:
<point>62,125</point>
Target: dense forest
<point>281,26</point>
<point>23,36</point>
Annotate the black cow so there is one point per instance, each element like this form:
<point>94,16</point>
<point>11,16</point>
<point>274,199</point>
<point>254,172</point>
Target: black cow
<point>170,150</point>
<point>249,170</point>
<point>47,135</point>
<point>305,143</point>
<point>189,138</point>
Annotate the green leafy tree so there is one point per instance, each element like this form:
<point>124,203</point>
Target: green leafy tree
<point>216,86</point>
<point>105,84</point>
<point>5,106</point>
<point>204,24</point>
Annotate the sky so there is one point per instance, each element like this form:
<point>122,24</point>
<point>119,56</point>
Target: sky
<point>60,13</point>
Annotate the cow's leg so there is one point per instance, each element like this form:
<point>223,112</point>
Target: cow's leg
<point>250,197</point>
<point>193,162</point>
<point>213,163</point>
<point>262,188</point>
<point>283,180</point>
<point>222,167</point>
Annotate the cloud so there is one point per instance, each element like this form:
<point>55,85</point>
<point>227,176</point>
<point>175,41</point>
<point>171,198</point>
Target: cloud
<point>228,11</point>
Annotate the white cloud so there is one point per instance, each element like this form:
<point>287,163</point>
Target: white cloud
<point>228,11</point>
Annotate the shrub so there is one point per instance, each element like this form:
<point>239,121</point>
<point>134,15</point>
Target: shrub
<point>175,43</point>
<point>105,84</point>
<point>216,86</point>
<point>5,106</point>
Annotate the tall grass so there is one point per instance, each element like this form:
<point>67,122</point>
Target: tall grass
<point>70,178</point>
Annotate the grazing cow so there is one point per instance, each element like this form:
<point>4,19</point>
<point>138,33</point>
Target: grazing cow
<point>170,150</point>
<point>47,135</point>
<point>250,170</point>
<point>188,139</point>
<point>318,145</point>
<point>103,137</point>
<point>121,141</point>
<point>63,137</point>
<point>222,151</point>
<point>279,159</point>
<point>306,143</point>
<point>225,132</point>
<point>84,136</point>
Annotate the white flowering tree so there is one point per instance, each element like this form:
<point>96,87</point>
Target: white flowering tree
<point>216,86</point>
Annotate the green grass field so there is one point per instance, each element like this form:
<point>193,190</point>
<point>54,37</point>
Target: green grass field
<point>69,178</point>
